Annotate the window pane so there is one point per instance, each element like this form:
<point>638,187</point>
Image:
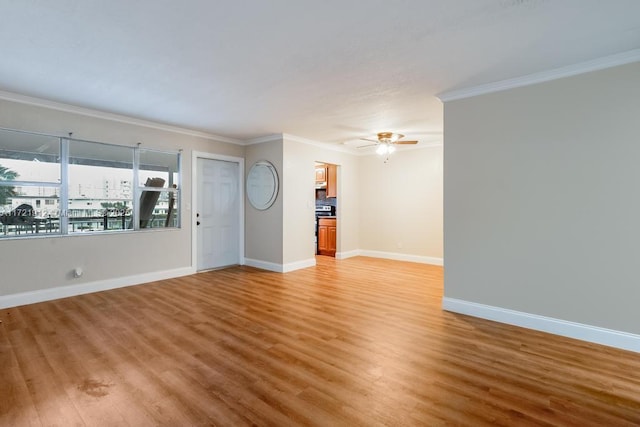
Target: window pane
<point>159,209</point>
<point>28,157</point>
<point>157,164</point>
<point>98,214</point>
<point>100,187</point>
<point>32,211</point>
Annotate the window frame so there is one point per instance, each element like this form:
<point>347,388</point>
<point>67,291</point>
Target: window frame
<point>44,184</point>
<point>63,187</point>
<point>140,188</point>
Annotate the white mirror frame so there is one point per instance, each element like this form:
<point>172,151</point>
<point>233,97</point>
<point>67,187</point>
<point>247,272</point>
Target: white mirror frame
<point>262,185</point>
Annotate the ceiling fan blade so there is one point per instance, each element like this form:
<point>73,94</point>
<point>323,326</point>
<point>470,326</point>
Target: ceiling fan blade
<point>370,140</point>
<point>406,142</point>
<point>368,145</point>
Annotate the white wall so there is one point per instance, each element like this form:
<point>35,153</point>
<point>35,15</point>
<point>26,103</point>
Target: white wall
<point>281,238</point>
<point>542,199</point>
<point>401,203</point>
<point>263,229</point>
<point>379,205</point>
<point>299,192</point>
<point>47,262</point>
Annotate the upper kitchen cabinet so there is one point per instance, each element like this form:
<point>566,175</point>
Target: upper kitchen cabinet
<point>332,180</point>
<point>321,174</point>
<point>327,179</point>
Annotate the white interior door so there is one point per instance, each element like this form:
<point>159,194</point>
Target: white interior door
<point>218,213</point>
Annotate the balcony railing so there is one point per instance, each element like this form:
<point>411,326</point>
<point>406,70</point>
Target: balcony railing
<point>105,222</point>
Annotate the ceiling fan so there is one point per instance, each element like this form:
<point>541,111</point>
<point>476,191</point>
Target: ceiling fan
<point>386,142</point>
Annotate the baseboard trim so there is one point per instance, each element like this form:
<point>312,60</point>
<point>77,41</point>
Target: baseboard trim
<point>402,257</point>
<point>280,268</point>
<point>593,334</point>
<point>32,297</point>
<point>298,265</point>
<point>348,254</point>
<point>264,265</point>
<point>311,262</point>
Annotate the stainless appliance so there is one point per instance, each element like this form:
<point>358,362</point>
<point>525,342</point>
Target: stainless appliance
<point>322,210</point>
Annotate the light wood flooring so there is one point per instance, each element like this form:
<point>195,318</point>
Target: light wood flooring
<point>356,342</point>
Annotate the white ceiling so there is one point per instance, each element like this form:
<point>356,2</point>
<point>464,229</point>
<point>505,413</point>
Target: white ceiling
<point>330,70</point>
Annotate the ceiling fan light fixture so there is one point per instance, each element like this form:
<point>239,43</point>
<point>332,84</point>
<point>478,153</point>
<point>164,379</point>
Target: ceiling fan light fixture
<point>386,143</point>
<point>385,148</point>
<point>389,137</point>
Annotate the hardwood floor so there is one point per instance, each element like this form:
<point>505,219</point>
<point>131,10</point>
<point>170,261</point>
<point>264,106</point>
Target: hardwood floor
<point>360,341</point>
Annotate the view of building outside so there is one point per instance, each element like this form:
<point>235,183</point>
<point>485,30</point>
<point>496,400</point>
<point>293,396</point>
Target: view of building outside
<point>95,192</point>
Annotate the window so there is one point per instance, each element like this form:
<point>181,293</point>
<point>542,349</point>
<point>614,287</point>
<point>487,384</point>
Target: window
<point>100,193</point>
<point>29,171</point>
<point>158,175</point>
<point>87,187</point>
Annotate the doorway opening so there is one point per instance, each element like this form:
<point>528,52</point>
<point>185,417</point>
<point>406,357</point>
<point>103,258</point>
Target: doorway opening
<point>326,209</point>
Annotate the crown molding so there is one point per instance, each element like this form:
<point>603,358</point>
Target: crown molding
<point>325,145</point>
<point>623,58</point>
<point>289,137</point>
<point>261,139</point>
<point>68,108</point>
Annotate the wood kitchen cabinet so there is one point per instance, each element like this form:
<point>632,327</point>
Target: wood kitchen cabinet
<point>332,181</point>
<point>327,233</point>
<point>321,174</point>
<point>328,174</point>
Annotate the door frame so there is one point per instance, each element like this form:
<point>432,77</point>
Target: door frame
<point>194,201</point>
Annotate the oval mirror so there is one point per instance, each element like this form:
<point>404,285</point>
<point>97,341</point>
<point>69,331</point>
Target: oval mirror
<point>262,185</point>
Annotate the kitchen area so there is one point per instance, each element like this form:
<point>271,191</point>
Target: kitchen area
<point>326,197</point>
